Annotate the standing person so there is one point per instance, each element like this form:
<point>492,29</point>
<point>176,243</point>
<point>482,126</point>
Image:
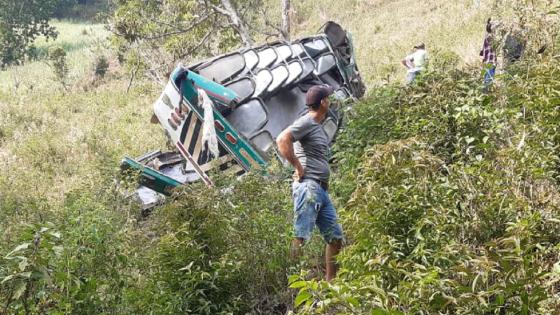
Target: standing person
<point>415,62</point>
<point>305,145</point>
<point>514,44</point>
<point>488,55</point>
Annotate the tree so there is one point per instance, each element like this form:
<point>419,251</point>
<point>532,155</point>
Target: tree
<point>229,10</point>
<point>155,35</point>
<point>21,22</point>
<point>88,10</point>
<point>286,19</point>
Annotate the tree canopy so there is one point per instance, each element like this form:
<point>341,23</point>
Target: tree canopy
<point>21,22</point>
<point>157,35</point>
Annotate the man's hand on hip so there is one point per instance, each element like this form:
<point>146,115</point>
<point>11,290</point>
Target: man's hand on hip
<point>299,173</point>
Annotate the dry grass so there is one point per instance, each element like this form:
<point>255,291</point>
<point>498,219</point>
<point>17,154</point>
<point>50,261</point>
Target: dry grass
<point>63,138</point>
<point>385,31</point>
<point>52,141</point>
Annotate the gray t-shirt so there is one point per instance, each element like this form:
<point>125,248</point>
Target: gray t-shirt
<point>311,147</point>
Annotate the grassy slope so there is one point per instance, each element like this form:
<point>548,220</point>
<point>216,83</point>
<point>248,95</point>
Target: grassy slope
<point>449,195</point>
<point>61,118</point>
<point>442,187</point>
<point>61,134</point>
<point>54,143</point>
<point>78,40</point>
<point>59,155</point>
<point>66,124</point>
<point>385,31</point>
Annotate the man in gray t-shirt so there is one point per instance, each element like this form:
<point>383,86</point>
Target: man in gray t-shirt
<point>311,148</point>
<point>312,204</point>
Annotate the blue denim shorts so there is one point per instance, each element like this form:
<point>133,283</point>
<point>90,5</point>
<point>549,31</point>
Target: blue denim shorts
<point>312,206</point>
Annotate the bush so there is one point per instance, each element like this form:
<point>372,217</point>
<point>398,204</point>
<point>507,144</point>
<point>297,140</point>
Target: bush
<point>450,199</point>
<point>101,64</point>
<point>219,252</point>
<point>72,265</point>
<point>443,60</point>
<point>57,57</point>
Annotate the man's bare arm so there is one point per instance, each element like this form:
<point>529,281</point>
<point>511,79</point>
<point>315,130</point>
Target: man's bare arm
<point>404,63</point>
<point>407,62</point>
<point>285,144</point>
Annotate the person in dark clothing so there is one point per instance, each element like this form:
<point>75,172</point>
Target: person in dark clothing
<point>514,45</point>
<point>513,48</point>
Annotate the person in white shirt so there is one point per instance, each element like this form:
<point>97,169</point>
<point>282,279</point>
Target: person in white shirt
<point>415,62</point>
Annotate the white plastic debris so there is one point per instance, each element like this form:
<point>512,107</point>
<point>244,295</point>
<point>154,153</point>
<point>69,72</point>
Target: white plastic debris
<point>208,130</point>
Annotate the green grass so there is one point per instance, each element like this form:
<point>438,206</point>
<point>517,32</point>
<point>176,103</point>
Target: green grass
<point>449,196</point>
<point>63,134</point>
<point>81,42</point>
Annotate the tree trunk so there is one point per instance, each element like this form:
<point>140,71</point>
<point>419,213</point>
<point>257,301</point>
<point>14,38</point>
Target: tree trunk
<point>286,19</point>
<point>237,22</point>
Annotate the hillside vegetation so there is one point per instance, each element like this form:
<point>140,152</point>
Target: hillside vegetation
<point>448,195</point>
<point>385,31</point>
<point>451,199</point>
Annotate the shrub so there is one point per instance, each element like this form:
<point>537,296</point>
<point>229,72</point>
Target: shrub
<point>450,199</point>
<point>444,60</point>
<point>72,265</point>
<point>57,57</point>
<point>101,64</point>
<point>26,270</point>
<point>219,252</point>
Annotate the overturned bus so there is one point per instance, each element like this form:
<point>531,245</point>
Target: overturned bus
<point>255,93</point>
